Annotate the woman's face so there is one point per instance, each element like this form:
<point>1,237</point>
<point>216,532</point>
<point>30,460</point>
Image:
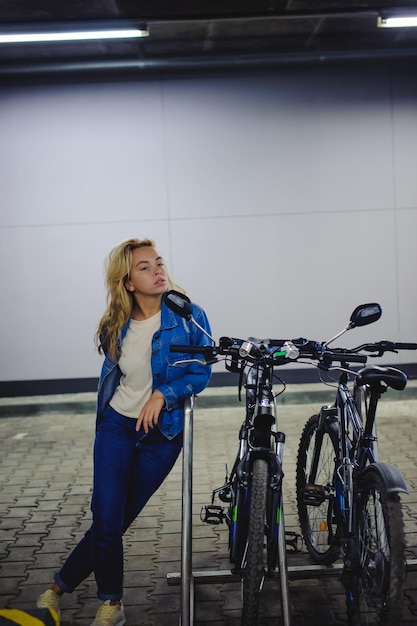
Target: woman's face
<point>147,273</point>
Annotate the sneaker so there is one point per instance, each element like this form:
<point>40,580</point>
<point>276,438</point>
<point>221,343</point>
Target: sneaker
<point>49,600</point>
<point>110,615</point>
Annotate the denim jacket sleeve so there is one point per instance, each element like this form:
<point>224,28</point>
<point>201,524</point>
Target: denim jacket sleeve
<point>173,380</point>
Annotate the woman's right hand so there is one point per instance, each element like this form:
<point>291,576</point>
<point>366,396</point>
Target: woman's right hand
<point>149,415</point>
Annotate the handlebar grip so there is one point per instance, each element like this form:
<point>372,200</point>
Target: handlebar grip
<point>349,357</point>
<point>405,346</point>
<point>191,349</point>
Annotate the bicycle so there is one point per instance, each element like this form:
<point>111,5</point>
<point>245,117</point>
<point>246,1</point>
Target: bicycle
<point>348,500</point>
<point>253,489</point>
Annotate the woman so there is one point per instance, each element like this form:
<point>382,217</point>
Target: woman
<point>139,417</point>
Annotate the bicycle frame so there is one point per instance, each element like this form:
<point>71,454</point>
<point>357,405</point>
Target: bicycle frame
<point>357,444</point>
<point>356,447</point>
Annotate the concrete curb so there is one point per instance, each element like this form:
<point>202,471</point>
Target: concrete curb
<point>212,398</point>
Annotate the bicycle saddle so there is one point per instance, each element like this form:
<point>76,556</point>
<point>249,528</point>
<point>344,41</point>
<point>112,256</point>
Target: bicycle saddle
<point>375,375</point>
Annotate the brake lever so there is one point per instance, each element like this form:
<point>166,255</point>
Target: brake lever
<point>187,361</point>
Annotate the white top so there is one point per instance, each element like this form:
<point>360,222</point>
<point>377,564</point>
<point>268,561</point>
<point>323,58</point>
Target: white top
<point>135,387</point>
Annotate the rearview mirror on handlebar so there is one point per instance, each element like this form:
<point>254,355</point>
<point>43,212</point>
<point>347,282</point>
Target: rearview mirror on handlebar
<point>365,314</point>
<point>179,303</point>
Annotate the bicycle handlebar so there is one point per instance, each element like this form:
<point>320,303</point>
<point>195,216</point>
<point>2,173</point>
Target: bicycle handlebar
<point>386,346</point>
<point>405,346</point>
<point>281,351</point>
<point>343,357</point>
<point>191,349</point>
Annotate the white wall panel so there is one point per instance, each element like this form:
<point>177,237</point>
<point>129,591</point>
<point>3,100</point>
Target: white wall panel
<point>407,266</point>
<point>300,183</point>
<point>276,145</point>
<point>405,139</point>
<point>290,276</point>
<point>53,296</point>
<point>82,154</point>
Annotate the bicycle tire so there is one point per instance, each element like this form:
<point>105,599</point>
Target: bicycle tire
<point>317,523</point>
<point>376,595</point>
<point>253,572</point>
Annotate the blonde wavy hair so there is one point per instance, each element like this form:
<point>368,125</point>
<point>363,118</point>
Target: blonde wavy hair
<point>119,299</point>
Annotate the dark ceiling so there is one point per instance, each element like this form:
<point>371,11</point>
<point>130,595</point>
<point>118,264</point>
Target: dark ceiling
<point>209,35</point>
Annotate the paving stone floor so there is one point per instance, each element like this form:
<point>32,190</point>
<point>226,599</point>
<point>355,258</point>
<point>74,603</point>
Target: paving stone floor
<point>45,488</point>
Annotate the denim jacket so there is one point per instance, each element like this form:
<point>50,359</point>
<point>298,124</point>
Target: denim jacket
<point>175,382</point>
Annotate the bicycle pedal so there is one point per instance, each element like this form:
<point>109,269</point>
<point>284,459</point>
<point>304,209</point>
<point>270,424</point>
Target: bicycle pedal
<point>212,514</point>
<point>314,495</point>
<point>293,541</point>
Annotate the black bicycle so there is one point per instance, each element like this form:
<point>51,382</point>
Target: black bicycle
<point>252,493</point>
<point>348,500</point>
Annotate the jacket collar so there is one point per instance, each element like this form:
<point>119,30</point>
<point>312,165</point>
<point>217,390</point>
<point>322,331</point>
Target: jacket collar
<point>168,317</point>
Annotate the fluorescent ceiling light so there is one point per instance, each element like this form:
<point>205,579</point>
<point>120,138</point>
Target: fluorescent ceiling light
<point>397,22</point>
<point>126,33</point>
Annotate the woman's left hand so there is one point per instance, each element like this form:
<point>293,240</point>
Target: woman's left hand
<point>149,415</point>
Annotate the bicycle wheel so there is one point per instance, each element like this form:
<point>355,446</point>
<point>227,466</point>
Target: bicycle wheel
<point>378,587</point>
<point>253,573</point>
<point>315,502</point>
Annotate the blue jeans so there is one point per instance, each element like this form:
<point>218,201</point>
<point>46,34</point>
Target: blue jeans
<point>129,467</point>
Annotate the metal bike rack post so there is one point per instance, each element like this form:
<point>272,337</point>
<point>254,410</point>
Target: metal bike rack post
<point>187,583</point>
<point>283,572</point>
